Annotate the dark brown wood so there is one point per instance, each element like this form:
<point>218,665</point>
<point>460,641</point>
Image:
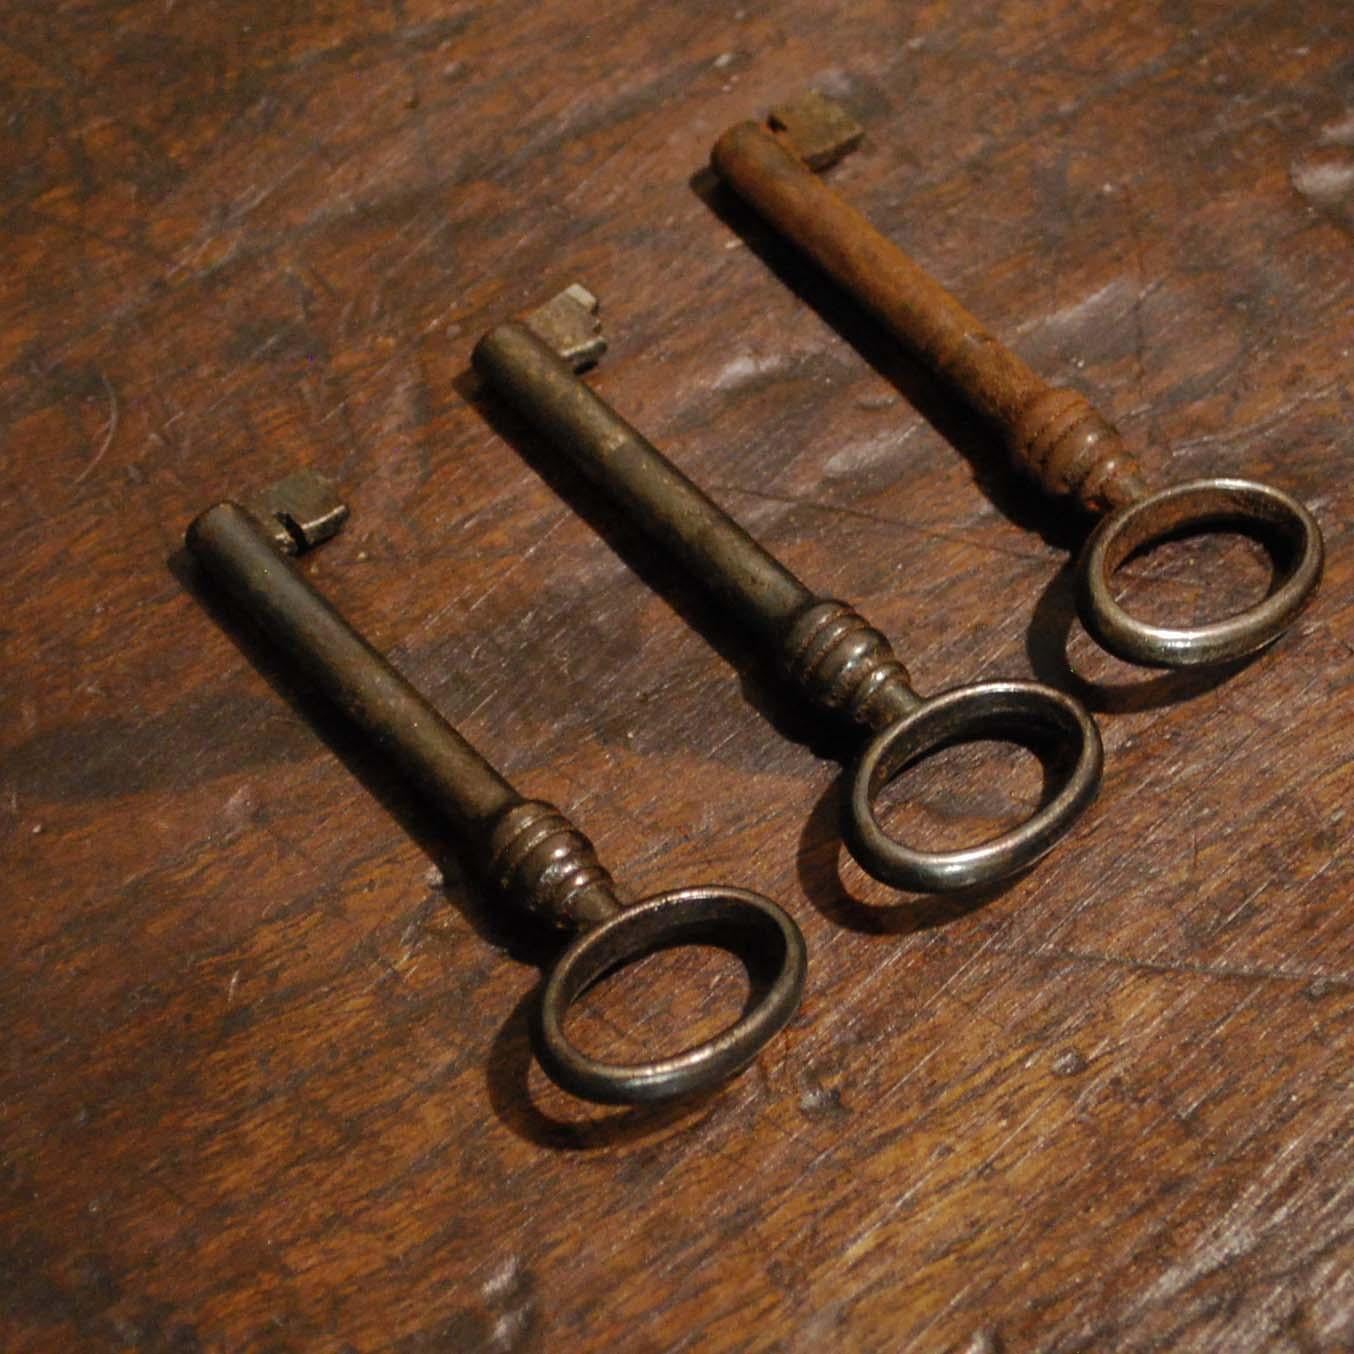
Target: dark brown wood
<point>265,1085</point>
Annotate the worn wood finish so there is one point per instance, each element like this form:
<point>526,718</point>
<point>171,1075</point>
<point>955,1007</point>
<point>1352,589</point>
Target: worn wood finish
<point>265,1086</point>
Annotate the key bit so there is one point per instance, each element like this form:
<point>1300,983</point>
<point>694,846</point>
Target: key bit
<point>819,130</point>
<point>299,512</point>
<point>569,323</point>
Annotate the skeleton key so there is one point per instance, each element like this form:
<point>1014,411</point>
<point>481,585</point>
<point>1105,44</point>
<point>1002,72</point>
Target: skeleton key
<point>1053,433</point>
<point>839,662</point>
<point>524,849</point>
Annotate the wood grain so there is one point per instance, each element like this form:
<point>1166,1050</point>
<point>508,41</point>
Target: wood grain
<point>266,1081</point>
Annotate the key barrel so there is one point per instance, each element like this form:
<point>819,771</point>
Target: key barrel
<point>762,593</point>
<point>1054,434</point>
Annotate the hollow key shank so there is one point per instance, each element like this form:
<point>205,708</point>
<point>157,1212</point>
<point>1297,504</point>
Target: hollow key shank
<point>1054,433</point>
<point>840,662</point>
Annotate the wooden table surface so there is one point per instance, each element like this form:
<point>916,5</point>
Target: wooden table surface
<point>266,1080</point>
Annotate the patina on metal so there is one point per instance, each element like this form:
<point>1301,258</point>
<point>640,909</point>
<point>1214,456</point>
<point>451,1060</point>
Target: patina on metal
<point>836,659</point>
<point>1053,433</point>
<point>525,849</point>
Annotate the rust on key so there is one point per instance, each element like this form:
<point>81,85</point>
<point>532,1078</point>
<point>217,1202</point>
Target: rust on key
<point>1053,432</point>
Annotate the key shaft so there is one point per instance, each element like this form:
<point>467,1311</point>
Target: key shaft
<point>1053,432</point>
<point>619,460</point>
<point>836,658</point>
<point>526,847</point>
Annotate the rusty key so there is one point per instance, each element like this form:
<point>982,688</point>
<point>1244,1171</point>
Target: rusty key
<point>525,849</point>
<point>1054,433</point>
<point>838,662</point>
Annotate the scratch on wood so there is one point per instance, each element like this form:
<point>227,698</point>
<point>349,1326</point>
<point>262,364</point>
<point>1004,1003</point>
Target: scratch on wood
<point>110,428</point>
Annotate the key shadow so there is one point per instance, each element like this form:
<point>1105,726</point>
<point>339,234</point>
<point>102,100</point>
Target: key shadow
<point>508,1079</point>
<point>822,844</point>
<point>1061,525</point>
<point>759,684</point>
<point>1049,635</point>
<point>523,938</point>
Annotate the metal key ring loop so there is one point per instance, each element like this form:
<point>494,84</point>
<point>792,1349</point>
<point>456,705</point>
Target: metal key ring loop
<point>1184,507</point>
<point>733,918</point>
<point>959,715</point>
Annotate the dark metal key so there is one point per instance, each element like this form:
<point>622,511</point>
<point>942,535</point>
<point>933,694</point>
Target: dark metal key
<point>1053,432</point>
<point>835,658</point>
<point>524,849</point>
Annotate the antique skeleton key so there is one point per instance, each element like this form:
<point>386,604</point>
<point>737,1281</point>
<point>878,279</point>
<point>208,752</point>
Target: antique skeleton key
<point>524,849</point>
<point>838,662</point>
<point>1053,433</point>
